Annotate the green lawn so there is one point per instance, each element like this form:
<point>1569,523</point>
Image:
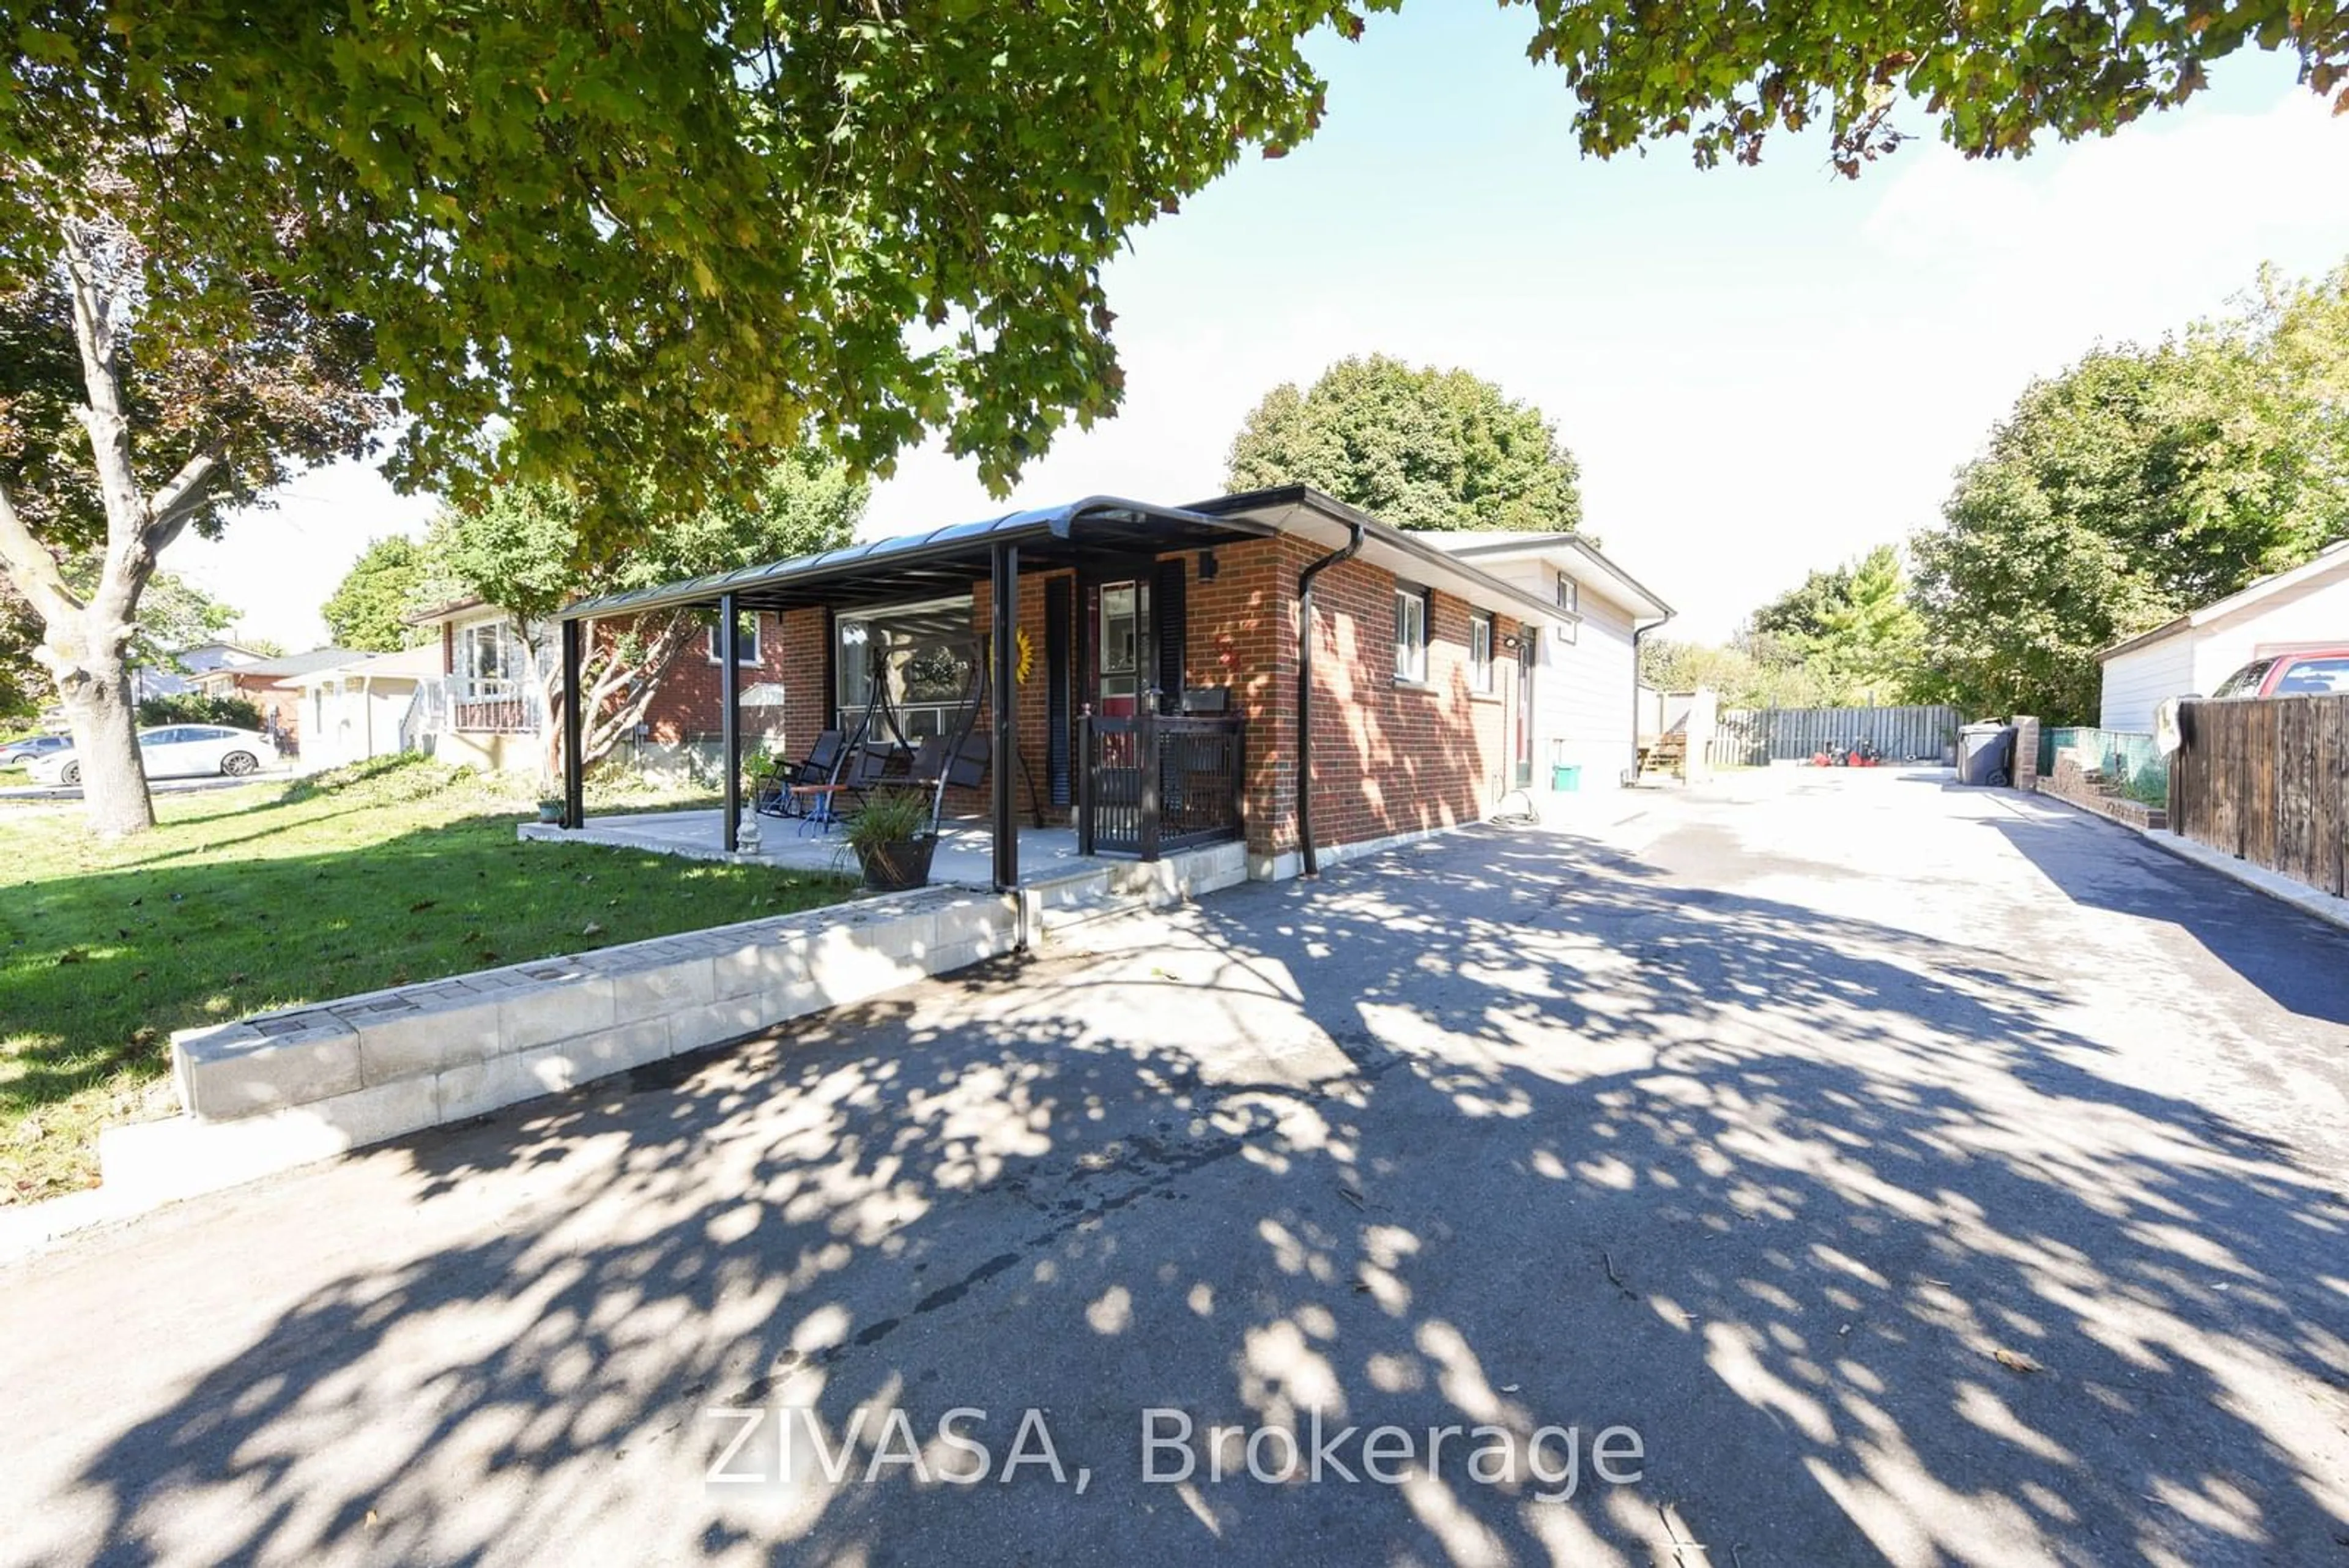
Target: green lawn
<point>250,898</point>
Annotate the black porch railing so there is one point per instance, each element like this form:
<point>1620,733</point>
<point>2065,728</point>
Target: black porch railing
<point>1155,782</point>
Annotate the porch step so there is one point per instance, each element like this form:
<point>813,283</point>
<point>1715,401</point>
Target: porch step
<point>1064,922</point>
<point>1066,904</point>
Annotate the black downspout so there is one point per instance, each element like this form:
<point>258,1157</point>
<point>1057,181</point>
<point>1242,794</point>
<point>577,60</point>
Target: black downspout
<point>729,722</point>
<point>574,808</point>
<point>1312,865</point>
<point>1638,681</point>
<point>1003,708</point>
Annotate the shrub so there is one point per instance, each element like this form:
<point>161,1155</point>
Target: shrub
<point>891,817</point>
<point>195,707</point>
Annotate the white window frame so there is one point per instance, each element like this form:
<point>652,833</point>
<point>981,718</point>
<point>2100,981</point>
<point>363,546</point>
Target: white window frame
<point>749,646</point>
<point>1413,607</point>
<point>1484,638</point>
<point>507,658</point>
<point>1569,599</point>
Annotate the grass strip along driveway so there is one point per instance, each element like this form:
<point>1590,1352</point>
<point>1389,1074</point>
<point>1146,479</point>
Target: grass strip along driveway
<point>247,899</point>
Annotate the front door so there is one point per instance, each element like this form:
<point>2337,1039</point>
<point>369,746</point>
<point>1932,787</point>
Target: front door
<point>1121,637</point>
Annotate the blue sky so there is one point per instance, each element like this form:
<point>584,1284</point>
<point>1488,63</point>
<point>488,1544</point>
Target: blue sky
<point>1760,370</point>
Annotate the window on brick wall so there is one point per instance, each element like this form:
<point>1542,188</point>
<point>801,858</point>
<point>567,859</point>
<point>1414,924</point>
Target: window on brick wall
<point>489,661</point>
<point>1480,652</point>
<point>1410,633</point>
<point>748,653</point>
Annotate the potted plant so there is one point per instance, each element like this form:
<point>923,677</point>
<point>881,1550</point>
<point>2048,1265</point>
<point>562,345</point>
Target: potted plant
<point>892,841</point>
<point>550,810</point>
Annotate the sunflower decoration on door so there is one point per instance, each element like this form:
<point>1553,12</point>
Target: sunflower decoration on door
<point>1025,665</point>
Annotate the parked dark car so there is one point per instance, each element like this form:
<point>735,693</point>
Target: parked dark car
<point>16,754</point>
<point>2315,672</point>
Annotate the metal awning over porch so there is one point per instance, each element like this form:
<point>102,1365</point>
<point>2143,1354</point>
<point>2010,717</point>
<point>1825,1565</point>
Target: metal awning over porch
<point>943,561</point>
<point>909,566</point>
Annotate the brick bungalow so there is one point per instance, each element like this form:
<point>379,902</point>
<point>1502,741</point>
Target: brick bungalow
<point>1132,631</point>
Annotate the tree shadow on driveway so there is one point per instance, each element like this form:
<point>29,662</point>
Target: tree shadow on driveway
<point>1509,1132</point>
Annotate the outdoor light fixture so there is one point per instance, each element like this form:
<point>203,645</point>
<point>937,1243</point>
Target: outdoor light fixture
<point>1207,567</point>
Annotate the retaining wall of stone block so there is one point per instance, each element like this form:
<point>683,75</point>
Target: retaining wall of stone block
<point>280,1089</point>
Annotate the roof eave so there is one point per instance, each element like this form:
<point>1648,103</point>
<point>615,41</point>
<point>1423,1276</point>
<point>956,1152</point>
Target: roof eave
<point>1292,498</point>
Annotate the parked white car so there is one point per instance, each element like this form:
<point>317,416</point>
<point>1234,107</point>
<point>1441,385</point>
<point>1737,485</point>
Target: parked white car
<point>172,751</point>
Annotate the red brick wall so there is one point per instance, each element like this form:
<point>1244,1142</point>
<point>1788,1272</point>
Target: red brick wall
<point>1391,758</point>
<point>687,704</point>
<point>801,665</point>
<point>264,692</point>
<point>1243,634</point>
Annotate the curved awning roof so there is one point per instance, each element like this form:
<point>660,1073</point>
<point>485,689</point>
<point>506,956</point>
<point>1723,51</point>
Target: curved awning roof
<point>942,561</point>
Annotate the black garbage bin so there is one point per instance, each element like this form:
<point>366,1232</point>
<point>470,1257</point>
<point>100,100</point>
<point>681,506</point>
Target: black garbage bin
<point>1986,755</point>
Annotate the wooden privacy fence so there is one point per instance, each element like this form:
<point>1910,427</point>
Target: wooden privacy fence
<point>1750,737</point>
<point>2267,781</point>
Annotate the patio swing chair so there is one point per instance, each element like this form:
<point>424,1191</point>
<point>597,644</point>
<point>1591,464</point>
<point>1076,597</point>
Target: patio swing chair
<point>876,756</point>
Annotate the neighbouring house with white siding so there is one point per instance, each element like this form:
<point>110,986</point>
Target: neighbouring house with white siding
<point>365,706</point>
<point>2289,612</point>
<point>1580,687</point>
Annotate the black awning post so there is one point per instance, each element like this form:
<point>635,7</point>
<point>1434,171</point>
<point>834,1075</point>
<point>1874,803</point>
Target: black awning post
<point>729,727</point>
<point>575,809</point>
<point>1004,702</point>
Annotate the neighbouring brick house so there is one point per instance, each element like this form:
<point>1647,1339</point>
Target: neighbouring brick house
<point>1140,631</point>
<point>485,710</point>
<point>265,684</point>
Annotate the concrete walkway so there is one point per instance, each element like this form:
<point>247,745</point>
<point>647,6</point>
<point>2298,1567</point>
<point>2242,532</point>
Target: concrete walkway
<point>1925,1175</point>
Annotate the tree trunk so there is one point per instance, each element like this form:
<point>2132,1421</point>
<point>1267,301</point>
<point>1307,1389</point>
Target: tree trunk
<point>95,687</point>
<point>607,718</point>
<point>86,642</point>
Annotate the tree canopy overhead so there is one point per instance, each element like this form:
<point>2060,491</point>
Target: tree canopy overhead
<point>1995,74</point>
<point>637,234</point>
<point>2135,486</point>
<point>642,235</point>
<point>1418,448</point>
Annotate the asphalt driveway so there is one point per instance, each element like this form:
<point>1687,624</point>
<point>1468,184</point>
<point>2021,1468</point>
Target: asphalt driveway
<point>1849,1168</point>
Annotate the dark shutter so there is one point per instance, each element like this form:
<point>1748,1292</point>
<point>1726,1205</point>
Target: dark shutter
<point>1060,679</point>
<point>1169,618</point>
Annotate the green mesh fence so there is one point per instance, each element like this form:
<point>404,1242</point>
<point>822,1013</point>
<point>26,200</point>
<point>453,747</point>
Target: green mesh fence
<point>2129,763</point>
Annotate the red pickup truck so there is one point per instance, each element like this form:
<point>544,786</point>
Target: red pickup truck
<point>2313,672</point>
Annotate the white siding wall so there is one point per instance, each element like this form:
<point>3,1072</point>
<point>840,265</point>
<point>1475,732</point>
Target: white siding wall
<point>343,726</point>
<point>1583,694</point>
<point>2314,612</point>
<point>2198,659</point>
<point>2136,680</point>
<point>1582,690</point>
